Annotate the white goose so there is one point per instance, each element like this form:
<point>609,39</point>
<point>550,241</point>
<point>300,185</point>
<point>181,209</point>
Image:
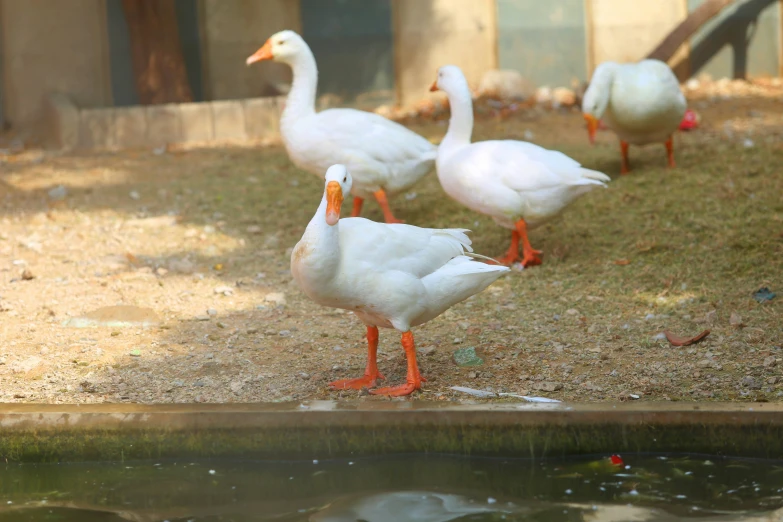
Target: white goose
<point>519,184</point>
<point>389,275</point>
<point>384,157</point>
<point>641,102</point>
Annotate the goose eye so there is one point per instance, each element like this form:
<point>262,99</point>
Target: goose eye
<point>345,179</point>
<point>281,42</point>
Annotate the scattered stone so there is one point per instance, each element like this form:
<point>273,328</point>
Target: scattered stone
<point>426,350</point>
<point>252,331</point>
<point>236,387</point>
<point>770,362</point>
<point>212,312</point>
<point>26,365</point>
<point>134,195</point>
<point>772,380</point>
<point>572,311</point>
<point>736,320</point>
<point>58,193</point>
<point>704,363</point>
<point>27,275</point>
<point>505,84</point>
<point>121,316</point>
<point>547,386</point>
<point>750,382</point>
<point>563,97</point>
<point>284,333</point>
<point>275,297</point>
<point>467,357</point>
<point>203,317</point>
<point>224,290</point>
<point>254,229</point>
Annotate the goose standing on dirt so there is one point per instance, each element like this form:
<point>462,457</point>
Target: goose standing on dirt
<point>389,275</point>
<point>519,184</point>
<point>641,102</point>
<point>383,156</point>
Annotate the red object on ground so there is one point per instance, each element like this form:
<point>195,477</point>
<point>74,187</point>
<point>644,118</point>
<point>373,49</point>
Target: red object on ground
<point>617,460</point>
<point>689,121</point>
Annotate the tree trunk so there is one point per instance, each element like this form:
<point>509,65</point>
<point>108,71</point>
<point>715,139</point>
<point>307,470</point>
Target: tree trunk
<point>690,25</point>
<point>158,63</point>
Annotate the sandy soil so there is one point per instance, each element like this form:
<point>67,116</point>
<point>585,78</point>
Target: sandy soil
<point>203,237</point>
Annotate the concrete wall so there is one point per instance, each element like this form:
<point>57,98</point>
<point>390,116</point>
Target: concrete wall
<point>232,30</point>
<point>721,49</point>
<point>353,45</point>
<point>545,41</point>
<point>53,46</point>
<point>625,31</point>
<point>431,33</point>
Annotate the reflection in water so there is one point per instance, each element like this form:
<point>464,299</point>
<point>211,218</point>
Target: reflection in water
<point>418,506</point>
<point>402,488</point>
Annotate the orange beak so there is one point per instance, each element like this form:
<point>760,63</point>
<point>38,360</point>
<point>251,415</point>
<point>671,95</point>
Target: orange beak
<point>264,53</point>
<point>434,86</point>
<point>334,200</point>
<point>592,126</point>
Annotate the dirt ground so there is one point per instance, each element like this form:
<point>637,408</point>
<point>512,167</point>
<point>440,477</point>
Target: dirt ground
<point>203,238</point>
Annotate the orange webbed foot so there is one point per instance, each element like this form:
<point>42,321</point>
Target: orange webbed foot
<point>531,258</point>
<point>507,259</point>
<point>397,391</point>
<point>368,381</point>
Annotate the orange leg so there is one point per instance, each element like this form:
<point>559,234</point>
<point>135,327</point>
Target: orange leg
<point>529,254</point>
<point>513,251</point>
<point>670,151</point>
<point>626,166</point>
<point>357,207</point>
<point>414,378</point>
<point>371,373</point>
<point>380,195</point>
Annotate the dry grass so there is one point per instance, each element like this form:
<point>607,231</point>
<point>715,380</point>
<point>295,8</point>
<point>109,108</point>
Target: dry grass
<point>699,240</point>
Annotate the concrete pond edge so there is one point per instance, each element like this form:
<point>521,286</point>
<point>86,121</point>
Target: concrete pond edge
<point>330,429</point>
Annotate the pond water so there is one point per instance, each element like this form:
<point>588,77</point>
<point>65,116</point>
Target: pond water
<point>397,489</point>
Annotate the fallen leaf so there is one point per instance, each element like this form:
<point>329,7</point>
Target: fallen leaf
<point>622,262</point>
<point>735,320</point>
<point>132,259</point>
<point>685,341</point>
<point>617,460</point>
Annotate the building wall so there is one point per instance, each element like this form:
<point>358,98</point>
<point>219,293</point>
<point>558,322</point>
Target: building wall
<point>720,49</point>
<point>626,31</point>
<point>431,33</point>
<point>545,41</point>
<point>232,30</point>
<point>53,47</point>
<point>353,45</point>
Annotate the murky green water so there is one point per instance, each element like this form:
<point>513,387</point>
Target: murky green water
<point>398,489</point>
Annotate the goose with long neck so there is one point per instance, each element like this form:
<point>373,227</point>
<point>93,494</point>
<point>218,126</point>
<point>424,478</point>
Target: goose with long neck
<point>641,102</point>
<point>390,276</point>
<point>384,157</point>
<point>519,184</point>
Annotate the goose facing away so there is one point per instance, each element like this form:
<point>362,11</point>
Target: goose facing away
<point>383,156</point>
<point>641,102</point>
<point>389,275</point>
<point>519,184</point>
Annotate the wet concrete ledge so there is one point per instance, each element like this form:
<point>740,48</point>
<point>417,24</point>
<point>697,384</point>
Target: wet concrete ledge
<point>324,429</point>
